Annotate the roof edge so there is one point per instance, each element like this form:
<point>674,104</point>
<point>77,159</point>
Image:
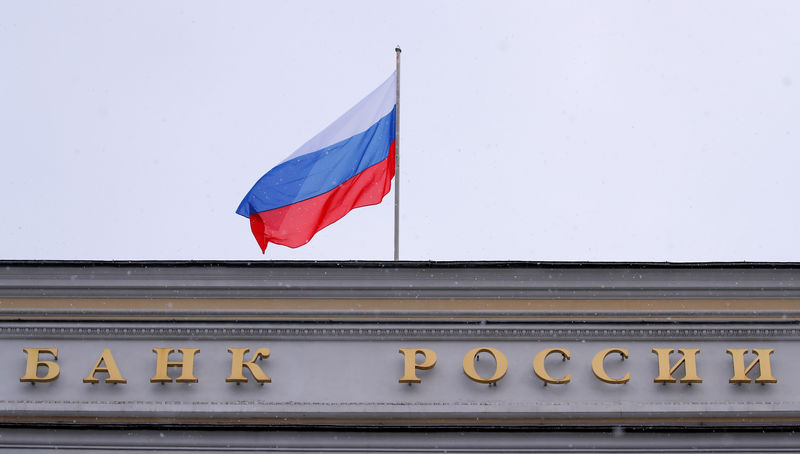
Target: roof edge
<point>396,264</point>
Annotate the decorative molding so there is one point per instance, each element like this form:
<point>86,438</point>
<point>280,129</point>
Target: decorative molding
<point>399,332</point>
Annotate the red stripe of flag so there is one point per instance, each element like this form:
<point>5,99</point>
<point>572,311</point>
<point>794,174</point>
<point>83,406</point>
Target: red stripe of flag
<point>294,225</point>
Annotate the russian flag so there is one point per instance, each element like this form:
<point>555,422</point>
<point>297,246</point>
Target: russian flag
<point>349,164</point>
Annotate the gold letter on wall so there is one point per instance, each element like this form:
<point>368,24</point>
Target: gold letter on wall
<point>500,369</point>
<point>688,359</point>
<point>238,364</point>
<point>33,364</point>
<point>410,363</point>
<point>163,362</point>
<point>541,372</point>
<point>600,371</point>
<point>110,368</point>
<point>740,373</point>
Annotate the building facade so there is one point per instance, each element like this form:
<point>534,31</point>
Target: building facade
<point>399,356</point>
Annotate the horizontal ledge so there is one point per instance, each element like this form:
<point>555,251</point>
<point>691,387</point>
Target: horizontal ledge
<point>400,305</point>
<point>428,439</point>
<point>399,294</point>
<point>388,280</point>
<point>403,310</point>
<point>417,419</point>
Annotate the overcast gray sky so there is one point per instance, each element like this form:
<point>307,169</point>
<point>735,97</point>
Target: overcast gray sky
<point>625,130</point>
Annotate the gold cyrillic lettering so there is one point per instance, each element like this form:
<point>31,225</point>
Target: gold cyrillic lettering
<point>688,360</point>
<point>33,364</point>
<point>238,364</point>
<point>110,368</point>
<point>762,359</point>
<point>411,365</point>
<point>186,365</point>
<point>541,372</point>
<point>500,369</point>
<point>600,371</point>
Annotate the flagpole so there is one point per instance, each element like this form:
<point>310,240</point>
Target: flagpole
<point>397,163</point>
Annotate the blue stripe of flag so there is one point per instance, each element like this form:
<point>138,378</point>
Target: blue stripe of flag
<point>318,172</point>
